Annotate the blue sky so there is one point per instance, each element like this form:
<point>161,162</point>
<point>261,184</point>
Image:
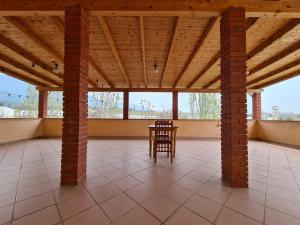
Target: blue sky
<point>285,94</point>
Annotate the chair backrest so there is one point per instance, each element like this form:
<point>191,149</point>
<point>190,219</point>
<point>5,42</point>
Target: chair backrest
<point>164,128</point>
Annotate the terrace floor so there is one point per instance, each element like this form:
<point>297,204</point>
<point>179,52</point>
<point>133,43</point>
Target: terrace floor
<point>125,187</point>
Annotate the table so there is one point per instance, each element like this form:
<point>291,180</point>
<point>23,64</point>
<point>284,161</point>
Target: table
<point>151,128</point>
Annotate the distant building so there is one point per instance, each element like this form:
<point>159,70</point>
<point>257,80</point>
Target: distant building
<point>6,112</point>
<point>275,112</point>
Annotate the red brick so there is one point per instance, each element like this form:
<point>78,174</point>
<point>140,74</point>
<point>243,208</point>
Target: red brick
<point>43,104</point>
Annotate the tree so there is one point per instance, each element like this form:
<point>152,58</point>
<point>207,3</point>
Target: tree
<point>204,106</point>
<point>55,104</point>
<point>29,106</point>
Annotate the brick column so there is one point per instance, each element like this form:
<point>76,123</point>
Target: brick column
<point>125,105</point>
<point>175,105</point>
<point>234,105</point>
<point>74,138</point>
<point>43,103</point>
<point>256,106</point>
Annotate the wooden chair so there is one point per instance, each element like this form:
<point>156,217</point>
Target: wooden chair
<point>164,139</point>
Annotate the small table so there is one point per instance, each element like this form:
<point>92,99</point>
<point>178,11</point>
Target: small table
<point>151,129</point>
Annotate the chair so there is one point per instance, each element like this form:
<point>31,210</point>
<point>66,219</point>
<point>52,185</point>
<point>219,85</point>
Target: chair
<point>164,138</point>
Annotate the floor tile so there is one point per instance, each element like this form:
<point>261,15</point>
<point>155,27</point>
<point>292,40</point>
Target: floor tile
<point>104,192</point>
<point>230,217</point>
<point>274,217</point>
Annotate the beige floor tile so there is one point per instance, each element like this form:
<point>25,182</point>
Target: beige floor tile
<point>140,193</point>
<point>190,184</point>
<point>204,207</point>
<point>186,217</point>
<point>246,207</point>
<point>75,205</point>
<point>91,216</point>
<point>7,199</point>
<point>66,192</point>
<point>251,194</point>
<point>32,191</point>
<point>215,194</point>
<point>230,217</point>
<point>33,204</point>
<point>274,217</point>
<point>117,206</point>
<point>160,206</point>
<point>177,193</point>
<point>48,216</point>
<point>284,206</point>
<point>137,216</point>
<point>105,192</point>
<point>95,182</point>
<point>126,183</point>
<point>6,213</point>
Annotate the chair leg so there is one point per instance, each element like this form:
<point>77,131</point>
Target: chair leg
<point>155,153</point>
<point>171,152</point>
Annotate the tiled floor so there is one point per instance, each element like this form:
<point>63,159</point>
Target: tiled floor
<point>125,187</point>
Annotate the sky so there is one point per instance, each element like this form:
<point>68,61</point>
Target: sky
<point>286,95</point>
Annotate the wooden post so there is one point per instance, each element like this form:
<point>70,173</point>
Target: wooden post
<point>175,105</point>
<point>125,105</point>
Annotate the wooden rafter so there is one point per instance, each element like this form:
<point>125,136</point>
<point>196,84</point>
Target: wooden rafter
<point>113,47</point>
<point>61,27</point>
<point>20,66</point>
<point>173,39</point>
<point>275,72</point>
<point>274,37</point>
<point>142,32</point>
<point>21,77</point>
<point>197,48</point>
<point>253,8</point>
<point>285,52</point>
<point>279,79</point>
<point>25,54</point>
<point>249,23</point>
<point>41,43</point>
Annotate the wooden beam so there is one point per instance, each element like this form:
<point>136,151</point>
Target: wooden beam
<point>142,32</point>
<point>42,44</point>
<point>273,59</point>
<point>275,72</point>
<point>184,90</point>
<point>113,47</point>
<point>249,23</point>
<point>26,55</point>
<point>20,66</point>
<point>60,25</point>
<point>211,63</point>
<point>173,39</point>
<point>22,77</point>
<point>254,8</point>
<point>279,79</point>
<point>274,37</point>
<point>212,21</point>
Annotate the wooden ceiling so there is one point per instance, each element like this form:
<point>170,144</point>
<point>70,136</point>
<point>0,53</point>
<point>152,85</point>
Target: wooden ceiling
<point>125,49</point>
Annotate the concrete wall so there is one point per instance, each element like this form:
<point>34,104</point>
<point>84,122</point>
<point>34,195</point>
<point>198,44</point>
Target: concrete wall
<point>20,129</point>
<point>138,128</point>
<point>283,132</point>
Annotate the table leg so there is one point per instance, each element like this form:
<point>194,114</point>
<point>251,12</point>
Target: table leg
<point>150,143</point>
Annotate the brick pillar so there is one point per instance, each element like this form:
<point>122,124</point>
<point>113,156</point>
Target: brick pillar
<point>175,105</point>
<point>74,138</point>
<point>256,106</point>
<point>43,103</point>
<point>234,102</point>
<point>125,105</point>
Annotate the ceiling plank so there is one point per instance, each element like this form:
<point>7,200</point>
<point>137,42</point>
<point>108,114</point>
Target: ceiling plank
<point>142,32</point>
<point>26,55</point>
<point>113,47</point>
<point>173,39</point>
<point>279,79</point>
<point>274,37</point>
<point>212,21</point>
<point>61,27</point>
<point>275,72</point>
<point>20,66</point>
<point>249,23</point>
<point>42,44</point>
<point>21,77</point>
<point>254,8</point>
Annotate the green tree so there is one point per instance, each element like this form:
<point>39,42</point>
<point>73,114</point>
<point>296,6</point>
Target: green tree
<point>204,106</point>
<point>55,104</point>
<point>29,106</point>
